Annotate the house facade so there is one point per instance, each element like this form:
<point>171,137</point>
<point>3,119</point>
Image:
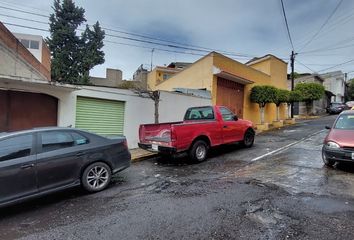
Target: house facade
<point>335,83</point>
<point>318,106</point>
<point>28,98</point>
<point>229,81</point>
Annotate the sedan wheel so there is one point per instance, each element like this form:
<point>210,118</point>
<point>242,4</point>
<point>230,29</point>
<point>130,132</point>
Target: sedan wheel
<point>96,177</point>
<point>326,161</point>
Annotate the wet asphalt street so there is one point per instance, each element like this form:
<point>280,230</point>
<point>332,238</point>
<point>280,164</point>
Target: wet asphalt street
<point>278,189</point>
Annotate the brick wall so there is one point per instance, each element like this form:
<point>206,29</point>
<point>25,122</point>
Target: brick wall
<point>12,42</point>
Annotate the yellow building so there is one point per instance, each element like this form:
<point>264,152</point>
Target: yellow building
<point>228,81</point>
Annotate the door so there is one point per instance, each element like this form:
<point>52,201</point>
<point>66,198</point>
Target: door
<point>59,159</point>
<point>232,129</point>
<point>100,116</point>
<point>25,110</point>
<point>230,94</point>
<point>17,167</point>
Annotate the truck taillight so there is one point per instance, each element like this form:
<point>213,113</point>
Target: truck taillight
<point>173,135</point>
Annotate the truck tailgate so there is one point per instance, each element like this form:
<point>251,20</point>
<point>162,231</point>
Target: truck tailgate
<point>155,132</point>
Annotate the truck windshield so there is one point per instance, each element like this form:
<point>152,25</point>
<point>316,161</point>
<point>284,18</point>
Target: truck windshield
<point>345,121</point>
<point>199,113</point>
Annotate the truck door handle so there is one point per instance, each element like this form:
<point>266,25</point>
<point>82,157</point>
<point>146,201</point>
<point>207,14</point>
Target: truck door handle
<point>79,154</point>
<point>225,126</point>
<point>27,166</point>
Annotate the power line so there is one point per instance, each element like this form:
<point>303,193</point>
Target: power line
<point>340,64</point>
<point>120,43</point>
<point>305,66</point>
<point>189,46</point>
<point>287,26</point>
<point>25,19</point>
<point>322,26</point>
<point>22,11</point>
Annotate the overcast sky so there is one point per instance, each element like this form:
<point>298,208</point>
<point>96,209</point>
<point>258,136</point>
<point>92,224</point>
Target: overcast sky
<point>244,28</point>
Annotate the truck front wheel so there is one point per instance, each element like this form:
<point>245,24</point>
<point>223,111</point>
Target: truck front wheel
<point>248,139</point>
<point>199,151</point>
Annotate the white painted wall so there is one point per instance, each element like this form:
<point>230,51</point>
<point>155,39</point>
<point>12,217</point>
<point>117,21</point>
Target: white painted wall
<point>138,110</point>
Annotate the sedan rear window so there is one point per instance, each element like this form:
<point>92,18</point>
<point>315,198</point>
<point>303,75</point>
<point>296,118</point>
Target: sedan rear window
<point>345,121</point>
<point>55,140</point>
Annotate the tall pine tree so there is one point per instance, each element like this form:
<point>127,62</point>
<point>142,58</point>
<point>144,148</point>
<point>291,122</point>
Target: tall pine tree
<point>72,55</point>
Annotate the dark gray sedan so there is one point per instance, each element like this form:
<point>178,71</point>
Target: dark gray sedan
<point>40,161</point>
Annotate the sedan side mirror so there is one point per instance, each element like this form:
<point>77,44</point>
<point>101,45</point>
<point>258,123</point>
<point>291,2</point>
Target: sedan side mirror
<point>327,127</point>
<point>235,118</point>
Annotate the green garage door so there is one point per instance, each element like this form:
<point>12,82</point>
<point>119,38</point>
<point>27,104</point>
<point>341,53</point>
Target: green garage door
<point>100,116</point>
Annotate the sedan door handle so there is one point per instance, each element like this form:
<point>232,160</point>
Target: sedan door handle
<point>225,126</point>
<point>27,166</point>
<point>79,154</point>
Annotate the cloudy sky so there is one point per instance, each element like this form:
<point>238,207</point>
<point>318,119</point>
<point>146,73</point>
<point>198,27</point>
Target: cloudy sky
<point>321,30</point>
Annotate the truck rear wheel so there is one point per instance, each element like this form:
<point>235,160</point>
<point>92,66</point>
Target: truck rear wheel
<point>199,151</point>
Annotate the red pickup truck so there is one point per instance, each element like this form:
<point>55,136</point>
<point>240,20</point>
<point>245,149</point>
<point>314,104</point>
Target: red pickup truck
<point>202,128</point>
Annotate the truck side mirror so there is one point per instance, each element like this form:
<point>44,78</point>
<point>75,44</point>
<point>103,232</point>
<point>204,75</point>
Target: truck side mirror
<point>235,117</point>
<point>327,127</point>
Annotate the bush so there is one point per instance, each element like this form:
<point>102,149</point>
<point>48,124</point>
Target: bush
<point>310,91</point>
<point>263,95</point>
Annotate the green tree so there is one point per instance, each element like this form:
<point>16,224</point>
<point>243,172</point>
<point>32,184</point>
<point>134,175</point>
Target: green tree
<point>73,56</point>
<point>282,96</point>
<point>309,93</point>
<point>263,95</point>
<point>294,96</point>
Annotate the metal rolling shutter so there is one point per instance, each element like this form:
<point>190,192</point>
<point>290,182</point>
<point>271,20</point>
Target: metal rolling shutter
<point>100,116</point>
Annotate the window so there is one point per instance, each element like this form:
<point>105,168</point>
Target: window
<point>34,44</point>
<point>25,42</point>
<point>199,113</point>
<point>165,76</point>
<point>79,139</point>
<point>346,121</point>
<point>227,115</point>
<point>54,140</point>
<point>16,147</point>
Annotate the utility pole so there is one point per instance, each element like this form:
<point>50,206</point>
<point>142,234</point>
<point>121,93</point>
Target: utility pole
<point>292,59</point>
<point>152,52</point>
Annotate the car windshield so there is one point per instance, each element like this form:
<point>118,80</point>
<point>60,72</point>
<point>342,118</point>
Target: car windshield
<point>345,121</point>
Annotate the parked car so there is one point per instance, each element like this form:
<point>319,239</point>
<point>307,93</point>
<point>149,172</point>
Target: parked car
<point>336,107</point>
<point>40,161</point>
<point>202,128</point>
<point>338,145</point>
<point>350,104</point>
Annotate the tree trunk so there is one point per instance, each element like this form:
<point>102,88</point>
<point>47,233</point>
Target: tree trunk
<point>278,113</point>
<point>308,108</point>
<point>262,115</point>
<point>289,110</point>
<point>156,98</point>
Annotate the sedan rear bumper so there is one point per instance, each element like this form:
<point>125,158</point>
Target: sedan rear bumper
<point>160,149</point>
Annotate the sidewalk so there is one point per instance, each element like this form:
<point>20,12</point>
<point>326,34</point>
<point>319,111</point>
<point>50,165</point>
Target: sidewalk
<point>139,154</point>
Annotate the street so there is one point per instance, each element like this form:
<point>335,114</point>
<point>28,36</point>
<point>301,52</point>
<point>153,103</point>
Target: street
<point>278,189</point>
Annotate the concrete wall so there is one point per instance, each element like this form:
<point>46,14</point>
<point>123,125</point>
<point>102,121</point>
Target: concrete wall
<point>11,46</point>
<point>113,78</point>
<point>13,65</point>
